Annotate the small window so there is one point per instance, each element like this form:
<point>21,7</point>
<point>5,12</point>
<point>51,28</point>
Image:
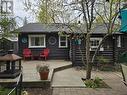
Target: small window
<point>119,41</point>
<point>63,43</point>
<point>94,42</point>
<point>36,41</point>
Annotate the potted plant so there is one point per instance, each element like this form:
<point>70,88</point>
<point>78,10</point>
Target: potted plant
<point>43,71</point>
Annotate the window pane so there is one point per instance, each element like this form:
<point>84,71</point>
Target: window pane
<point>63,44</point>
<point>94,49</point>
<point>62,41</point>
<point>32,41</point>
<point>41,41</point>
<point>37,41</point>
<point>63,38</point>
<point>94,43</point>
<point>97,42</point>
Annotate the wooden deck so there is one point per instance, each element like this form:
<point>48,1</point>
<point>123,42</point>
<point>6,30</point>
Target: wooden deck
<point>31,76</point>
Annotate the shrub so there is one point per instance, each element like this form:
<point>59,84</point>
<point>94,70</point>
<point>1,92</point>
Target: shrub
<point>95,83</point>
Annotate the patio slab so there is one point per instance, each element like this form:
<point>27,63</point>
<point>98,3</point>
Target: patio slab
<point>68,78</point>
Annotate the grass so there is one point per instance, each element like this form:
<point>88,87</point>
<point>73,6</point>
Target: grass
<point>5,91</point>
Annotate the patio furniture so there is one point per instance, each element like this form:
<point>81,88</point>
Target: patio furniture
<point>45,53</point>
<point>27,53</point>
<point>124,73</point>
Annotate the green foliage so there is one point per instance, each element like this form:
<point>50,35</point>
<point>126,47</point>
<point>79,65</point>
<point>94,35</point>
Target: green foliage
<point>43,15</point>
<point>43,67</point>
<point>114,1</point>
<point>7,25</point>
<point>45,12</point>
<point>4,22</point>
<point>99,20</point>
<point>104,64</point>
<point>5,91</point>
<point>95,83</point>
<point>107,68</point>
<point>102,59</point>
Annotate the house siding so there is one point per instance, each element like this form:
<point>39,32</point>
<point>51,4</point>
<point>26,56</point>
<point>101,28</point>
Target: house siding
<point>55,51</point>
<point>78,53</point>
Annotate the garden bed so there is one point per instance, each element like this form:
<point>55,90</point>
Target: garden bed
<point>95,83</point>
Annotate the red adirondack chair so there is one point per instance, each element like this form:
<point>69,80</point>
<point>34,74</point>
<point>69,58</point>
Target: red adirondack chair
<point>45,53</point>
<point>27,53</point>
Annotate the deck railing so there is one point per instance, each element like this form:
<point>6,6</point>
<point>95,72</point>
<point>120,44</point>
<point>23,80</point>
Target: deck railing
<point>18,86</point>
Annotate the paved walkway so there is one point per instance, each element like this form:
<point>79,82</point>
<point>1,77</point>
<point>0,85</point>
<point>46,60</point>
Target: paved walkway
<point>68,78</point>
<point>63,79</point>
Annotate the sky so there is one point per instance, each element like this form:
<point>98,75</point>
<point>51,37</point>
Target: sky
<point>20,12</point>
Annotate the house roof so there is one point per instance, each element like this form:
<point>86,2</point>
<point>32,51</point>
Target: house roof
<point>56,27</point>
<point>39,27</point>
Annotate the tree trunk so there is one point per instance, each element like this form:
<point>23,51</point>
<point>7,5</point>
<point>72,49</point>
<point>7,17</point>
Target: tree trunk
<point>89,65</point>
<point>88,71</point>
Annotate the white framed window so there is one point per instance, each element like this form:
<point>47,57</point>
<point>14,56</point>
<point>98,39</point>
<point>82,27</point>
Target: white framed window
<point>37,41</point>
<point>119,41</point>
<point>94,42</point>
<point>63,43</point>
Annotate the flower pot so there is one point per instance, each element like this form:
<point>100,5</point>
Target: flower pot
<point>44,75</point>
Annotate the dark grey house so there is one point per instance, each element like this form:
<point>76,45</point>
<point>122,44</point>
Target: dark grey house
<point>37,36</point>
